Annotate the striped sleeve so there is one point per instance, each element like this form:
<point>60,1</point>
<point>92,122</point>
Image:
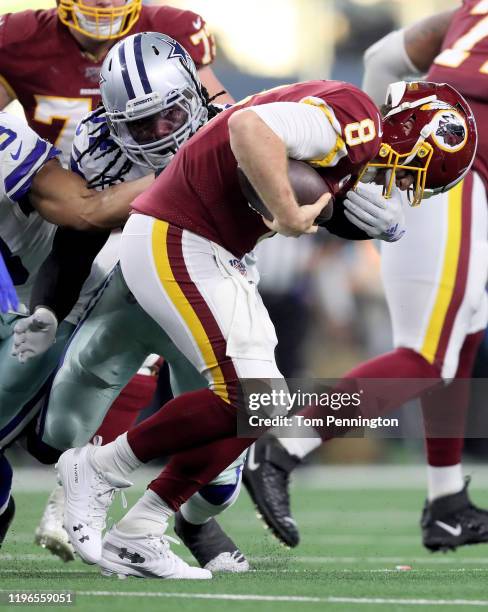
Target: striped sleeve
<point>22,155</point>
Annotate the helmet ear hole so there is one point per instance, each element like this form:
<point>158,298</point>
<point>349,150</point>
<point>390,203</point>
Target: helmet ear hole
<point>156,51</point>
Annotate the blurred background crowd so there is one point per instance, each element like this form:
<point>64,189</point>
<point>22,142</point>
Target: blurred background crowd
<point>324,294</point>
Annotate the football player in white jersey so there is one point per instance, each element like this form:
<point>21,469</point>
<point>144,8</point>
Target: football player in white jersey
<point>116,335</point>
<point>35,194</point>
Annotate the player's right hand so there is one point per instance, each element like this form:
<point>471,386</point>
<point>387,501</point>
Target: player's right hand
<point>34,335</point>
<point>303,221</point>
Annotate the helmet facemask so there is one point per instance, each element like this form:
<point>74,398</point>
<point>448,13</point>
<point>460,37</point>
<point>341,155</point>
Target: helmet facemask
<point>180,114</point>
<point>99,23</point>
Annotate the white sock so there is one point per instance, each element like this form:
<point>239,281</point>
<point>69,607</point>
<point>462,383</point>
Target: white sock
<point>300,447</point>
<point>444,481</point>
<point>149,515</point>
<point>198,510</point>
<point>116,457</point>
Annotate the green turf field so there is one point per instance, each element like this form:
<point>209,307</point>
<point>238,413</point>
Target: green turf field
<point>353,539</point>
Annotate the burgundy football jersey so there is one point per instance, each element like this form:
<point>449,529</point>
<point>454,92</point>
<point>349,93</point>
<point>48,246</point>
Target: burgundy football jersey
<point>463,63</point>
<point>56,82</point>
<point>199,191</point>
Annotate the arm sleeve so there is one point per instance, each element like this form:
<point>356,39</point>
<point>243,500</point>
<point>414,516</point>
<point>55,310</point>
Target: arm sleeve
<point>22,155</point>
<point>386,62</point>
<point>305,129</point>
<point>61,276</point>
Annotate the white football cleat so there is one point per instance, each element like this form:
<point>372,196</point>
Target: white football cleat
<point>145,556</point>
<point>50,533</point>
<point>88,495</point>
<point>233,563</point>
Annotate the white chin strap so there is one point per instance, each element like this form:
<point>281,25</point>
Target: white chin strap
<point>104,28</point>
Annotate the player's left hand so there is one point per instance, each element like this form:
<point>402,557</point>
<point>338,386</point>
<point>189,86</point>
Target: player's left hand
<point>8,295</point>
<point>34,335</point>
<point>380,218</point>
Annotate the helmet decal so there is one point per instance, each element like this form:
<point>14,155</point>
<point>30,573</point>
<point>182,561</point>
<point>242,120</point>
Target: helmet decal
<point>450,131</point>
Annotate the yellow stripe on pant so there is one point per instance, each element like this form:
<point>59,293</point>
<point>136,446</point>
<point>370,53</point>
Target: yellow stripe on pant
<point>448,275</point>
<point>183,306</point>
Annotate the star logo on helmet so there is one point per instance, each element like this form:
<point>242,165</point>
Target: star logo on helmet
<point>177,51</point>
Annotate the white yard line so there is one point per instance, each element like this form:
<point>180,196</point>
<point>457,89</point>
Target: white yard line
<point>288,598</point>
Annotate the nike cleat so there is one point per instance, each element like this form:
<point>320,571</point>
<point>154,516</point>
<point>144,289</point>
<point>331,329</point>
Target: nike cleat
<point>88,494</point>
<point>145,556</point>
<point>6,519</point>
<point>50,533</point>
<point>211,546</point>
<point>266,477</point>
<point>451,521</point>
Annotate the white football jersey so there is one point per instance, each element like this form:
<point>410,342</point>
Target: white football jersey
<point>25,237</point>
<point>100,161</point>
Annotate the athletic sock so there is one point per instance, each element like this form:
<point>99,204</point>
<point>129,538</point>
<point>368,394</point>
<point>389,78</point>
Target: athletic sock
<point>149,515</point>
<point>116,457</point>
<point>300,447</point>
<point>443,481</point>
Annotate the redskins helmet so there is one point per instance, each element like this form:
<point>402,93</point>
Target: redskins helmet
<point>429,131</point>
<point>96,22</point>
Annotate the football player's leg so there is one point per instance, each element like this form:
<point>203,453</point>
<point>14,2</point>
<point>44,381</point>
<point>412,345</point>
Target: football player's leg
<point>106,351</point>
<point>210,311</point>
<point>444,411</point>
<point>196,526</point>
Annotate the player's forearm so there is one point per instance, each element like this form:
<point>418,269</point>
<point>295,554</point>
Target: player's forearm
<point>263,158</point>
<point>61,197</point>
<point>110,208</point>
<point>61,276</point>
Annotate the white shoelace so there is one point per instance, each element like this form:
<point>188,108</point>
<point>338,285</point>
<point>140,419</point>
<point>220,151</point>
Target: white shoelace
<point>99,502</point>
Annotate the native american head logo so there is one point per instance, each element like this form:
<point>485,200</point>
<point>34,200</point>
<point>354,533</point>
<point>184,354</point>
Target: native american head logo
<point>449,130</point>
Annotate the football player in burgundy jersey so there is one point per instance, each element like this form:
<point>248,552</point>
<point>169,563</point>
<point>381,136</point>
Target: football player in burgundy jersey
<point>438,313</point>
<point>183,257</point>
<point>50,59</point>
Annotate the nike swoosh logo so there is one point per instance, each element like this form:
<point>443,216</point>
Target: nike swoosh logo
<point>197,24</point>
<point>251,463</point>
<point>455,531</point>
<point>15,156</point>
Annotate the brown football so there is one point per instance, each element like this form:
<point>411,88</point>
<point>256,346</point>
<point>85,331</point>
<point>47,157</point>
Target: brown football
<point>307,185</point>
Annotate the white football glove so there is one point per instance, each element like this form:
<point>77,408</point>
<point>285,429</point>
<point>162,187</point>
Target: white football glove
<point>34,335</point>
<point>380,218</point>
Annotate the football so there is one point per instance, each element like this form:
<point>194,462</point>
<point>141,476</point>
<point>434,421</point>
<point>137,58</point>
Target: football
<point>307,185</point>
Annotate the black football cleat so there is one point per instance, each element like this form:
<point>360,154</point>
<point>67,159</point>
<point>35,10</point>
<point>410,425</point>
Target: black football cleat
<point>210,545</point>
<point>266,477</point>
<point>451,521</point>
<point>6,519</point>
